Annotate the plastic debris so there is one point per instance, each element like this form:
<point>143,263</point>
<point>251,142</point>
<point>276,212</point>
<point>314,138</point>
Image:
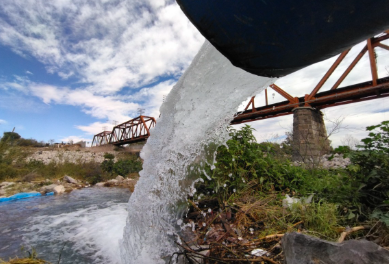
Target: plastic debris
<point>289,201</point>
<point>258,252</point>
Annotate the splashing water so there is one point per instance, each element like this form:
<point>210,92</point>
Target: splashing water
<point>195,114</point>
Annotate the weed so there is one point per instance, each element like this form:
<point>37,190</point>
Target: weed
<point>320,218</point>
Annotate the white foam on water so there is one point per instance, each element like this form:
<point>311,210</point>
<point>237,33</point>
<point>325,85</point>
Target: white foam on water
<point>92,232</point>
<point>196,113</point>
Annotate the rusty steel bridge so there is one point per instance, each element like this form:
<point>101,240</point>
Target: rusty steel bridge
<point>132,131</point>
<point>138,129</point>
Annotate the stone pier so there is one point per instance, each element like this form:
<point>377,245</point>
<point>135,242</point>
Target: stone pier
<point>310,139</point>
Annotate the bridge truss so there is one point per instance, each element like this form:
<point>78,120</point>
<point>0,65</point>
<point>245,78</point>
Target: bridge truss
<point>101,138</point>
<point>374,89</point>
<point>132,131</point>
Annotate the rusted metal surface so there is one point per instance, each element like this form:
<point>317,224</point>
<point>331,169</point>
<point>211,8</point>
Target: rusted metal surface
<point>341,96</point>
<point>348,70</point>
<point>373,65</point>
<point>383,46</point>
<point>287,96</point>
<point>132,131</point>
<point>251,102</point>
<point>328,74</point>
<point>101,138</point>
<point>374,89</point>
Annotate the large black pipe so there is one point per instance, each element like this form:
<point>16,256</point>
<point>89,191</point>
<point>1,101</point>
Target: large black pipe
<point>277,37</point>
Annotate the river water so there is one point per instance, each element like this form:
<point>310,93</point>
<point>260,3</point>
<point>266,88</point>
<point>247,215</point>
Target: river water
<point>83,226</point>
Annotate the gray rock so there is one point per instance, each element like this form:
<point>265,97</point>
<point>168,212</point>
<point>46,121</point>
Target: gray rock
<point>302,249</point>
<point>100,184</point>
<point>113,182</point>
<point>120,178</point>
<point>69,179</point>
<point>6,184</point>
<point>57,189</point>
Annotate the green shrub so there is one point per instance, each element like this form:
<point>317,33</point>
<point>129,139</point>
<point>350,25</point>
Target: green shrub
<point>109,156</point>
<point>124,167</point>
<point>107,165</point>
<point>242,166</point>
<point>371,167</point>
<point>345,150</point>
<point>10,136</point>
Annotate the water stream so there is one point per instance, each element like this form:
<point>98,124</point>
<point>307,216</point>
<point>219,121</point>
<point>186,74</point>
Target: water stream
<point>196,113</point>
<point>83,226</point>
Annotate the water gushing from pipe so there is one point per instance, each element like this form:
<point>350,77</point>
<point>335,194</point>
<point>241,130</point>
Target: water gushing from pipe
<point>195,114</point>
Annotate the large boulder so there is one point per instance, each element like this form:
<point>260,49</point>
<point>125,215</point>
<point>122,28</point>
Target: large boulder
<point>120,178</point>
<point>57,189</point>
<point>69,179</point>
<point>112,182</point>
<point>302,249</point>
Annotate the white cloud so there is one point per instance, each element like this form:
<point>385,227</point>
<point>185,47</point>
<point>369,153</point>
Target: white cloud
<point>96,127</point>
<point>148,98</point>
<point>107,44</point>
<point>103,107</point>
<point>3,121</point>
<point>74,139</point>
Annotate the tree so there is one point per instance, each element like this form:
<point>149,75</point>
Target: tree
<point>350,141</point>
<point>10,136</point>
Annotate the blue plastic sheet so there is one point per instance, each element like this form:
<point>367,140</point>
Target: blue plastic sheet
<point>19,196</point>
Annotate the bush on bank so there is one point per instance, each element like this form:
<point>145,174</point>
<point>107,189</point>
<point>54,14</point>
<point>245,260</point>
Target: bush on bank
<point>244,167</point>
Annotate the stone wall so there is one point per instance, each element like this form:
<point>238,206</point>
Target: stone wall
<point>310,140</point>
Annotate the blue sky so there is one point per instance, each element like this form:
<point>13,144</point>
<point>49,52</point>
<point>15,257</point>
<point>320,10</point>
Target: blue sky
<point>68,68</point>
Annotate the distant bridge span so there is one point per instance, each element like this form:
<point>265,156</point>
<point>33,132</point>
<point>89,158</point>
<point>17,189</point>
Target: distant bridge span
<point>138,129</point>
<point>132,131</point>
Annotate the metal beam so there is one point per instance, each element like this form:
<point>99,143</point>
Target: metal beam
<point>383,46</point>
<point>373,64</point>
<point>287,96</point>
<point>352,65</point>
<point>328,74</point>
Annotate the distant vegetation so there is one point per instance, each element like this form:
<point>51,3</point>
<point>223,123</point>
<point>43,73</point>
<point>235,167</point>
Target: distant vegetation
<point>14,138</point>
<point>13,165</point>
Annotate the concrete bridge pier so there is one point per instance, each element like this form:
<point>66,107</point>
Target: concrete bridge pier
<point>310,140</point>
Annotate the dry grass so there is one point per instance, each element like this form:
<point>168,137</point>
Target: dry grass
<point>252,222</point>
<point>24,261</point>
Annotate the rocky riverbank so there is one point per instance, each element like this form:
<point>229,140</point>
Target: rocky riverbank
<point>72,156</point>
<point>67,184</point>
